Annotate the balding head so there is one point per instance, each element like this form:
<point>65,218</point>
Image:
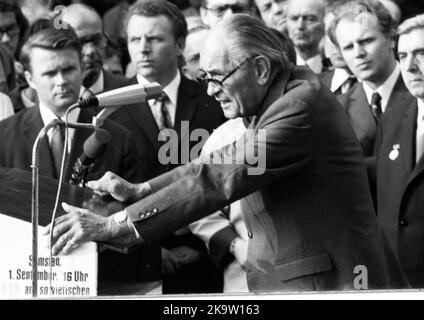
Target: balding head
<point>88,26</point>
<point>83,19</point>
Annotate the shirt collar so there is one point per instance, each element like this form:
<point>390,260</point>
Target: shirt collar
<point>385,90</point>
<point>420,110</point>
<point>339,78</point>
<point>47,115</point>
<point>171,89</point>
<point>314,63</point>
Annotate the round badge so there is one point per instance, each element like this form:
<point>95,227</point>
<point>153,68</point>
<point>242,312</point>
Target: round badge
<point>394,154</point>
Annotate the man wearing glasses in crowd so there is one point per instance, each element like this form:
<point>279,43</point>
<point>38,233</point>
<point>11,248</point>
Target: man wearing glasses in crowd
<point>88,26</point>
<point>212,11</point>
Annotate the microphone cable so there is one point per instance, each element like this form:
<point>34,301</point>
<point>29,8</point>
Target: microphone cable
<point>59,190</point>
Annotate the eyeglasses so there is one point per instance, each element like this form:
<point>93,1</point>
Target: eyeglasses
<point>12,31</point>
<point>235,8</point>
<point>204,77</point>
<point>98,40</point>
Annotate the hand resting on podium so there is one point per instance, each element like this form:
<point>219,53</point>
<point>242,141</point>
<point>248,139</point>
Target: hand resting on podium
<point>82,225</point>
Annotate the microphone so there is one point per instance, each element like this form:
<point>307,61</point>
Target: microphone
<point>94,147</point>
<point>123,96</point>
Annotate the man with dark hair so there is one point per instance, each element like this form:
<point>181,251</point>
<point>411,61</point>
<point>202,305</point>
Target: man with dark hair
<point>400,184</point>
<point>52,61</point>
<point>52,67</point>
<point>307,208</point>
<point>13,26</point>
<point>273,13</point>
<point>156,32</point>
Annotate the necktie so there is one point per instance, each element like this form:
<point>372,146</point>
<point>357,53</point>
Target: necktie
<point>419,148</point>
<point>57,145</point>
<point>376,106</point>
<point>161,114</point>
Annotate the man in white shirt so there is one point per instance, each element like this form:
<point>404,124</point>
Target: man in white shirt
<point>305,25</point>
<point>364,32</point>
<point>156,32</point>
<point>400,161</point>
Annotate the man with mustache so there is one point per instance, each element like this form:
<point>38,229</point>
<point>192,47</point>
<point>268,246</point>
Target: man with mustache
<point>400,161</point>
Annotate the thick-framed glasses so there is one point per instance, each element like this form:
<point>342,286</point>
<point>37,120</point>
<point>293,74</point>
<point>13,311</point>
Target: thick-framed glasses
<point>219,11</point>
<point>12,31</point>
<point>206,78</point>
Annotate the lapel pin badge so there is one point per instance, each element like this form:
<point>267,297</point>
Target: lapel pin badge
<point>394,154</point>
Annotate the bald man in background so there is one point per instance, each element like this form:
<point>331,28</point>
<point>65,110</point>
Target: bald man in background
<point>88,26</point>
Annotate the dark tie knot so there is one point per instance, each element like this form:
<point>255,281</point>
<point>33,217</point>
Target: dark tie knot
<point>163,97</point>
<point>376,99</point>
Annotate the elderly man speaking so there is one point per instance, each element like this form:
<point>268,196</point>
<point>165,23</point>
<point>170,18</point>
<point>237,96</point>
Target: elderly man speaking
<point>309,215</point>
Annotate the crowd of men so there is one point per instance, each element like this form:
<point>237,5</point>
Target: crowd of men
<point>337,87</point>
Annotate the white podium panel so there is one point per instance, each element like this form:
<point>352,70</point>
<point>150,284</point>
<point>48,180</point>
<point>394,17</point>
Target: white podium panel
<point>73,275</point>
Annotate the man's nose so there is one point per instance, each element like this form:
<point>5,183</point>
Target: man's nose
<point>410,63</point>
<point>359,51</point>
<point>144,45</point>
<point>89,49</point>
<point>5,38</point>
<point>212,89</point>
<point>60,79</point>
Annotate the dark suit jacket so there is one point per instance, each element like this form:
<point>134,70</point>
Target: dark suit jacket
<point>401,190</point>
<point>113,81</point>
<point>193,105</point>
<point>19,132</point>
<point>198,110</point>
<point>309,216</point>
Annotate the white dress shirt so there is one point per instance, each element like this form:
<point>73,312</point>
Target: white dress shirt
<point>385,90</point>
<point>6,107</point>
<point>47,116</point>
<point>419,139</point>
<point>171,91</point>
<point>339,79</point>
<point>314,63</point>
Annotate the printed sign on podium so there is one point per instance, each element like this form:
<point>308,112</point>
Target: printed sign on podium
<point>73,275</point>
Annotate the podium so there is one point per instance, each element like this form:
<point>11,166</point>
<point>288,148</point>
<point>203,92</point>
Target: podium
<point>135,273</point>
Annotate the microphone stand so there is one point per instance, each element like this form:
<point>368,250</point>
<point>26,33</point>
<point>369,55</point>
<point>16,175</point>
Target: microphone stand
<point>35,165</point>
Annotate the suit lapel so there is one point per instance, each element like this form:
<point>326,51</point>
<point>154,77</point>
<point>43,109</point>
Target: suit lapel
<point>399,94</point>
<point>407,139</point>
<point>186,103</point>
<point>32,126</point>
<point>144,118</point>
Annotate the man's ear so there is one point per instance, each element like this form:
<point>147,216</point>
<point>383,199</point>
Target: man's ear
<point>263,69</point>
<point>180,46</point>
<point>28,78</point>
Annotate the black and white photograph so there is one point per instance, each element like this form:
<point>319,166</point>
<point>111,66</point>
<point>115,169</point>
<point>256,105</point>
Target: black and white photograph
<point>212,149</point>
